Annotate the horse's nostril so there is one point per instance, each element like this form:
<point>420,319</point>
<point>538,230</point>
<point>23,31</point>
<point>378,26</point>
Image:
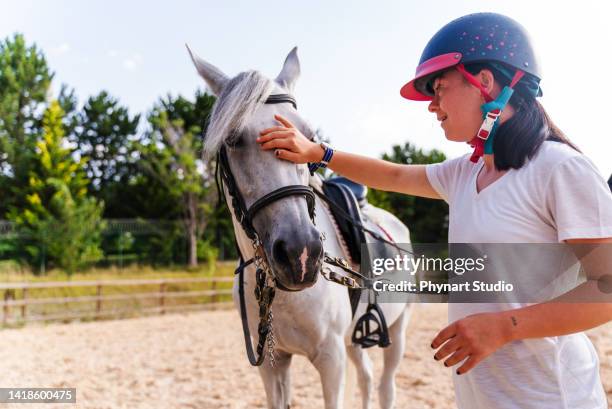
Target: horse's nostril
<point>316,247</point>
<point>279,252</point>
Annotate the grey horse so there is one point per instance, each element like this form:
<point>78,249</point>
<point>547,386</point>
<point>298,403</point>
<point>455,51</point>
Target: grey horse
<point>315,322</point>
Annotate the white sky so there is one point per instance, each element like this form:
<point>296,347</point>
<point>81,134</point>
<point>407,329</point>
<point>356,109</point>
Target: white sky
<point>354,55</point>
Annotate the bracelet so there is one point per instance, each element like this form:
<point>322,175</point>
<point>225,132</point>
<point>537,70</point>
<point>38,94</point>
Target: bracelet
<point>327,155</point>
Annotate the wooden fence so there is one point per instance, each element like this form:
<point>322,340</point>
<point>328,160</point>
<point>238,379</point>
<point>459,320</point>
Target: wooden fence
<point>18,300</point>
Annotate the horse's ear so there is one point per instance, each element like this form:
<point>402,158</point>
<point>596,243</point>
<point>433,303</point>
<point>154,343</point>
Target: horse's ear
<point>213,76</point>
<point>290,72</point>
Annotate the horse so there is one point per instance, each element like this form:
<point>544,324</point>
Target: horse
<point>312,317</point>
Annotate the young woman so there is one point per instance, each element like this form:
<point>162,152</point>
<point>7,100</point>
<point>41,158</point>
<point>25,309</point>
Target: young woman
<point>525,182</point>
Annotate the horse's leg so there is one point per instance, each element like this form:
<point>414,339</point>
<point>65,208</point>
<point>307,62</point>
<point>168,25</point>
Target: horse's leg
<point>363,364</point>
<point>330,362</point>
<point>277,381</point>
<point>392,358</point>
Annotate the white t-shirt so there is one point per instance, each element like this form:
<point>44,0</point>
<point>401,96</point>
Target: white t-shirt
<point>557,195</point>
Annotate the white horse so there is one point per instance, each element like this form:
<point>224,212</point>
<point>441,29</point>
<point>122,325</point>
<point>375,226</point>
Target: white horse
<point>315,322</point>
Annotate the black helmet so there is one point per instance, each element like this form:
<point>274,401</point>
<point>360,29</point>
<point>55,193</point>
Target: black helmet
<point>477,38</point>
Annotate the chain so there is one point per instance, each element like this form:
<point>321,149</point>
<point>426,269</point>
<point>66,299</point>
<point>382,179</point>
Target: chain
<point>271,339</point>
<point>264,293</point>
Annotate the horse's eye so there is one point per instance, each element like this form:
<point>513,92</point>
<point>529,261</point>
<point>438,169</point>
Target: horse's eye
<point>236,140</point>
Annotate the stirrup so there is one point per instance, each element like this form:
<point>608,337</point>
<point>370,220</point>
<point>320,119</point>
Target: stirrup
<point>371,329</point>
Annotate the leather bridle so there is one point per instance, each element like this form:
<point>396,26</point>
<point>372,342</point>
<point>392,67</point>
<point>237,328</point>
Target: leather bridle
<point>245,214</point>
<point>265,281</point>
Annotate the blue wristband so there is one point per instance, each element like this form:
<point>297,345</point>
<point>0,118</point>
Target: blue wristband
<point>327,155</point>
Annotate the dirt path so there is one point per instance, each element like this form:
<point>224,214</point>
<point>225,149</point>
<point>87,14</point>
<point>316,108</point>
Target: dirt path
<point>197,360</point>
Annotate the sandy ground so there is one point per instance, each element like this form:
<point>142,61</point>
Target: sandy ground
<point>197,360</point>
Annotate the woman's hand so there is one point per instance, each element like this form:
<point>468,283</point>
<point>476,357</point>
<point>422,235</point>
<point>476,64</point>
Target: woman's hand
<point>289,143</point>
<point>474,337</point>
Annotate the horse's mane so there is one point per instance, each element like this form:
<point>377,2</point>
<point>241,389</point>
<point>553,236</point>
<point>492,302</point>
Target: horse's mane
<point>234,107</point>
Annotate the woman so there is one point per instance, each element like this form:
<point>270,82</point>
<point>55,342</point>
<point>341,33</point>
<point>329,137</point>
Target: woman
<point>525,182</point>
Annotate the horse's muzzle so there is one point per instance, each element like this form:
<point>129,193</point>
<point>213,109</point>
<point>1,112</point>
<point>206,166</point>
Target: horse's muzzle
<point>296,258</point>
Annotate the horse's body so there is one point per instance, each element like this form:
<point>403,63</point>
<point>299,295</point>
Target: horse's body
<point>317,321</point>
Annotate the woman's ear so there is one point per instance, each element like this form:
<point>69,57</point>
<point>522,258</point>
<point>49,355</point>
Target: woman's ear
<point>487,80</point>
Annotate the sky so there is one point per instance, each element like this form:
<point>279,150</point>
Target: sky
<point>354,58</point>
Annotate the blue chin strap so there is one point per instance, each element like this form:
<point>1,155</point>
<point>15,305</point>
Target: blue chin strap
<point>498,104</point>
<point>491,111</point>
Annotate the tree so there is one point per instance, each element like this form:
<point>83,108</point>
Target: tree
<point>426,218</point>
<point>103,132</point>
<point>171,155</point>
<point>60,225</point>
<point>24,83</point>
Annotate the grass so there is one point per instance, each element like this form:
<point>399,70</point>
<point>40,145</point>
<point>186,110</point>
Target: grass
<point>11,273</point>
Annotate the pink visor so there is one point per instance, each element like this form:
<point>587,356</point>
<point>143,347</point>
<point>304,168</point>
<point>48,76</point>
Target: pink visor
<point>429,67</point>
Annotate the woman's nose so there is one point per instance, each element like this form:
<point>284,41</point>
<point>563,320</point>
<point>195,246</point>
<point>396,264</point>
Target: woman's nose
<point>433,105</point>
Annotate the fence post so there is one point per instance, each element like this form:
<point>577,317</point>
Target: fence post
<point>162,290</point>
<point>214,297</point>
<point>24,306</point>
<point>6,310</point>
<point>99,300</point>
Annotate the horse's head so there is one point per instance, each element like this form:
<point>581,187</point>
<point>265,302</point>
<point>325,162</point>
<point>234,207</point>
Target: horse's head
<point>291,243</point>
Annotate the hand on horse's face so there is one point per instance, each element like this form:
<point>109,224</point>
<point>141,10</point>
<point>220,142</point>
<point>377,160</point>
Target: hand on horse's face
<point>289,143</point>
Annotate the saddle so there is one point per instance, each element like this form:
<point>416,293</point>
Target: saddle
<point>350,197</point>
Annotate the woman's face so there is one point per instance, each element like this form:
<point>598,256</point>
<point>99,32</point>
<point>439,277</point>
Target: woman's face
<point>457,106</point>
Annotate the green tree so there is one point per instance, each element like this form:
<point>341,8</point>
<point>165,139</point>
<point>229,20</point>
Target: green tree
<point>103,132</point>
<point>426,218</point>
<point>60,225</point>
<point>171,154</point>
<point>24,84</point>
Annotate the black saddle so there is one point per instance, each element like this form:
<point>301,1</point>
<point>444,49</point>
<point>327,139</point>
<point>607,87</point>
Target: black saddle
<point>350,197</point>
<point>359,191</point>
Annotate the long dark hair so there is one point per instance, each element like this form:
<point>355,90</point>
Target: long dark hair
<point>519,138</point>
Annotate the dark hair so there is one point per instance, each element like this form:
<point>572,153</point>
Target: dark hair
<point>519,138</point>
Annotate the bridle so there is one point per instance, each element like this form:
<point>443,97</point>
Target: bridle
<point>245,214</point>
<point>266,282</point>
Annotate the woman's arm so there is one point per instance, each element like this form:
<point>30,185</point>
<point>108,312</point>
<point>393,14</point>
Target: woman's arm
<point>542,320</point>
<point>291,145</point>
<point>477,336</point>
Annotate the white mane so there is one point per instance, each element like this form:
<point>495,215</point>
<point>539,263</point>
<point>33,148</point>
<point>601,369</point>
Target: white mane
<point>234,107</point>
